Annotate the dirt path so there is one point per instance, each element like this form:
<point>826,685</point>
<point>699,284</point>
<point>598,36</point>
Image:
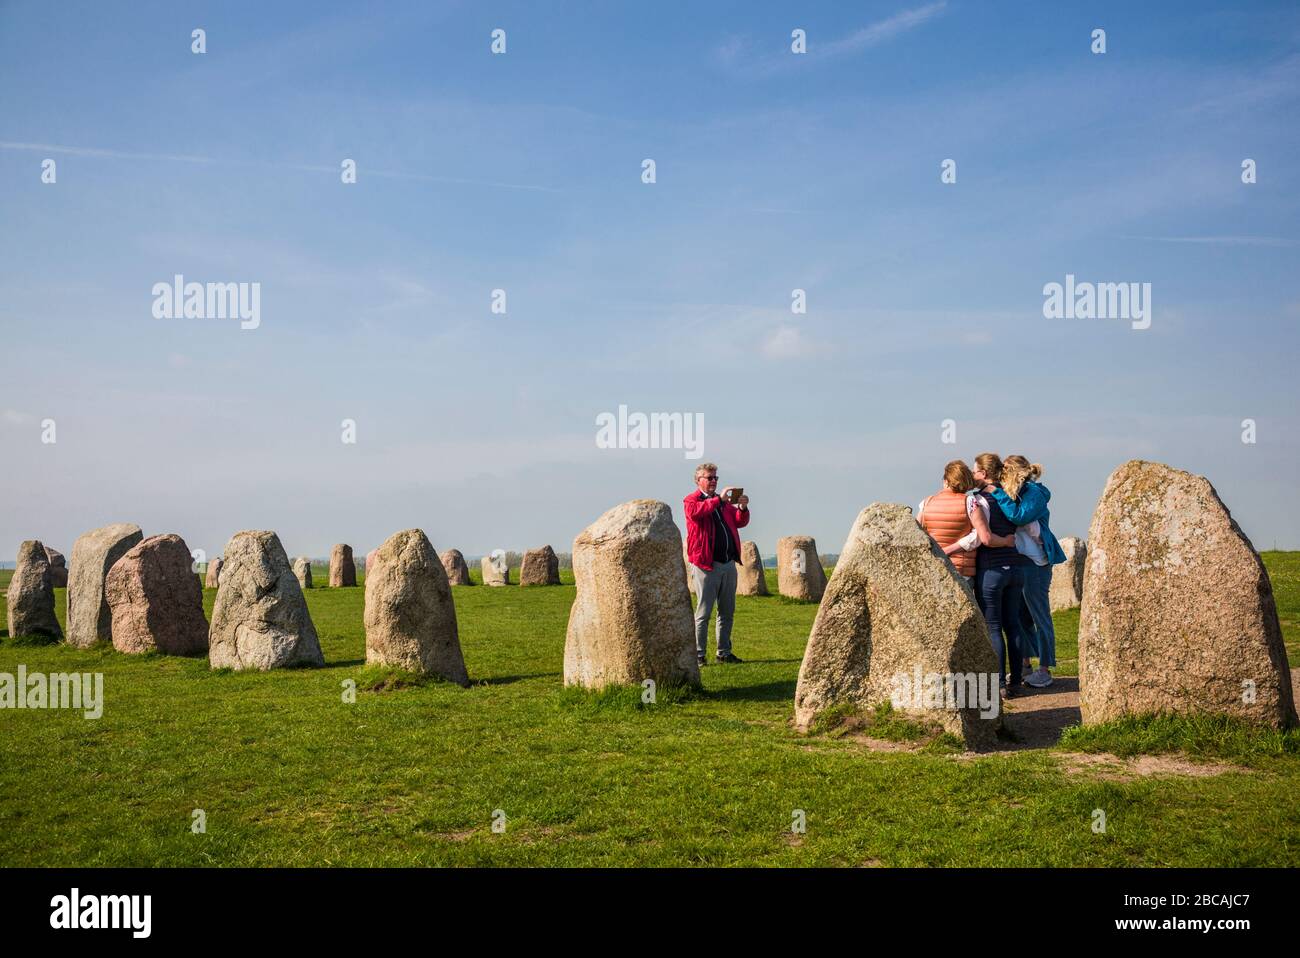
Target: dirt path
<point>1037,717</point>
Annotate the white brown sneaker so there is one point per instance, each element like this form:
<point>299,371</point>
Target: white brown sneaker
<point>1041,679</point>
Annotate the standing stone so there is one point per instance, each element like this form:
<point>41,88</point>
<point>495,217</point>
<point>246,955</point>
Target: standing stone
<point>302,571</point>
<point>1067,576</point>
<point>58,568</point>
<point>1178,613</point>
<point>93,554</point>
<point>799,572</point>
<point>495,571</point>
<point>156,601</point>
<point>896,610</point>
<point>370,561</point>
<point>453,563</point>
<point>30,599</point>
<point>260,619</point>
<point>631,620</point>
<point>540,567</point>
<point>410,616</point>
<point>749,575</point>
<point>213,578</point>
<point>343,571</point>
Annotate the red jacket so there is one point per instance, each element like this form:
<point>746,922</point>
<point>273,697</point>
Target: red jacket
<point>699,527</point>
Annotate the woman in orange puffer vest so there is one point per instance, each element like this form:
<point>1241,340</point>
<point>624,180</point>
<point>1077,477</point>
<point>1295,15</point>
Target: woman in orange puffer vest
<point>945,518</point>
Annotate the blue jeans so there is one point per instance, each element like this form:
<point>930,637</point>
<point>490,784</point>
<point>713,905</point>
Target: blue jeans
<point>999,591</point>
<point>1028,633</point>
<point>1038,583</point>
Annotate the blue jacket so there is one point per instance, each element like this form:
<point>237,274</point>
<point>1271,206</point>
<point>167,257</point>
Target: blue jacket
<point>1032,505</point>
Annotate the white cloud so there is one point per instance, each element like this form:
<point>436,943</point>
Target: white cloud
<point>1222,240</point>
<point>786,342</point>
<point>733,53</point>
<point>878,32</point>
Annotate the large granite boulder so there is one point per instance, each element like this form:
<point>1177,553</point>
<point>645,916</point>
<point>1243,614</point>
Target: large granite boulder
<point>631,619</point>
<point>58,568</point>
<point>260,619</point>
<point>302,571</point>
<point>749,574</point>
<point>1067,577</point>
<point>898,624</point>
<point>1178,613</point>
<point>343,570</point>
<point>89,618</point>
<point>410,616</point>
<point>496,570</point>
<point>155,599</point>
<point>540,567</point>
<point>213,578</point>
<point>457,569</point>
<point>30,598</point>
<point>799,572</point>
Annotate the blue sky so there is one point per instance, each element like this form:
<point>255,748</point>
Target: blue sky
<point>523,172</point>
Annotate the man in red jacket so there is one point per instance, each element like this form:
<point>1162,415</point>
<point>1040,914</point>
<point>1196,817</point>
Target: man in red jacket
<point>713,549</point>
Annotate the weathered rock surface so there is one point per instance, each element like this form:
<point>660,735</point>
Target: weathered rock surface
<point>89,618</point>
<point>155,599</point>
<point>213,578</point>
<point>302,572</point>
<point>410,616</point>
<point>260,620</point>
<point>1067,577</point>
<point>58,568</point>
<point>799,572</point>
<point>896,612</point>
<point>343,570</point>
<point>457,569</point>
<point>495,571</point>
<point>632,619</point>
<point>749,574</point>
<point>1178,613</point>
<point>370,558</point>
<point>30,597</point>
<point>540,567</point>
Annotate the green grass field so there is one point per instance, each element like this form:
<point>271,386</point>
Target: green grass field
<point>287,773</point>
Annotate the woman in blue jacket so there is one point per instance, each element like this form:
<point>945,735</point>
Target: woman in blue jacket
<point>1023,499</point>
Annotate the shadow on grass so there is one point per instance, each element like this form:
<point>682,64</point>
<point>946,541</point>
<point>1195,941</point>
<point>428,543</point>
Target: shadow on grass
<point>511,679</point>
<point>767,692</point>
<point>629,698</point>
<point>26,640</point>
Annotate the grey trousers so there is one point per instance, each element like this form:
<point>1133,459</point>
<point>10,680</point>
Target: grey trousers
<point>718,585</point>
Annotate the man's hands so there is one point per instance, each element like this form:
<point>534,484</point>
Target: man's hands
<point>742,502</point>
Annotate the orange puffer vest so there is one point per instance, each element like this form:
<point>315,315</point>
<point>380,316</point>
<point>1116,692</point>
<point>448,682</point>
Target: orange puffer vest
<point>944,517</point>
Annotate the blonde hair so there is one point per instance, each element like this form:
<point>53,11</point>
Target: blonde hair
<point>1016,471</point>
<point>991,464</point>
<point>957,477</point>
<point>705,467</point>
